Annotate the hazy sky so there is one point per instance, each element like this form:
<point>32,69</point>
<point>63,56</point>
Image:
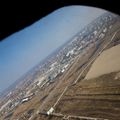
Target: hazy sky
<point>24,49</point>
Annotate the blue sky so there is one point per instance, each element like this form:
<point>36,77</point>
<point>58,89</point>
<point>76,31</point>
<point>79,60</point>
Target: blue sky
<point>24,49</point>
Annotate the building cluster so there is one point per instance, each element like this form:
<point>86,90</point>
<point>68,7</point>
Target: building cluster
<point>48,72</point>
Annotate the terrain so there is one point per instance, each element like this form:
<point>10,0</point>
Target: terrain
<point>98,96</point>
<point>88,90</point>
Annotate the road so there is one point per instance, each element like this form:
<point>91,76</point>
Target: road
<point>75,82</point>
<point>87,65</point>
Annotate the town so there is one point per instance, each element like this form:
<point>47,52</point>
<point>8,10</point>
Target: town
<point>50,70</point>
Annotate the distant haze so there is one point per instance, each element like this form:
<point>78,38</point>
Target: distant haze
<point>24,49</point>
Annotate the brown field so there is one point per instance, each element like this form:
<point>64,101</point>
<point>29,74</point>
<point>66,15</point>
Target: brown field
<point>98,97</point>
<point>25,107</point>
<point>107,62</point>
